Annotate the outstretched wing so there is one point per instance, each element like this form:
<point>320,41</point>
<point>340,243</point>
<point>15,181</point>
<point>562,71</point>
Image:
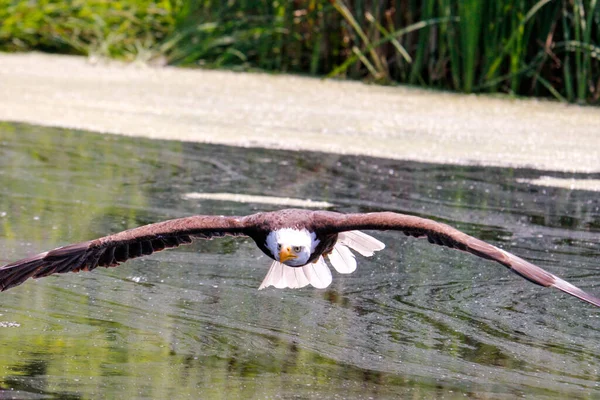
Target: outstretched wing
<point>110,251</point>
<point>445,235</point>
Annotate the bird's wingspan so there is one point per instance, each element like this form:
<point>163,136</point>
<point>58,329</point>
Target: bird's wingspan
<point>110,251</point>
<point>445,235</point>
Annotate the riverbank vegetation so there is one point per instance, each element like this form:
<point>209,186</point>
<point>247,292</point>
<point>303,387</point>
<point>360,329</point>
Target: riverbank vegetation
<point>547,48</point>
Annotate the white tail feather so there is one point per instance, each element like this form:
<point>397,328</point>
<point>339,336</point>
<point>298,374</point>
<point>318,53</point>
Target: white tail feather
<point>296,278</point>
<point>281,276</point>
<point>361,242</point>
<point>342,259</point>
<point>318,273</point>
<point>270,278</point>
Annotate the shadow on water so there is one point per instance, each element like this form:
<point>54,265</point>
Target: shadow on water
<point>416,320</point>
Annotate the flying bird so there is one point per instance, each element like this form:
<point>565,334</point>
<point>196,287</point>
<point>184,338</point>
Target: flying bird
<point>297,240</point>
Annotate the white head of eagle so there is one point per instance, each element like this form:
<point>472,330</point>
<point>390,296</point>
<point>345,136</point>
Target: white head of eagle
<point>292,247</point>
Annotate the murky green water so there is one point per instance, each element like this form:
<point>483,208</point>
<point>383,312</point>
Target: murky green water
<point>416,320</point>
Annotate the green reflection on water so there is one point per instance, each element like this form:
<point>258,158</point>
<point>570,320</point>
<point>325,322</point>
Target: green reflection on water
<point>57,176</point>
<point>412,322</point>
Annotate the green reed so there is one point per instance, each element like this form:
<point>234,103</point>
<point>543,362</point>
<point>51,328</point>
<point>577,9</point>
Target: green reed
<point>520,47</point>
<point>127,29</point>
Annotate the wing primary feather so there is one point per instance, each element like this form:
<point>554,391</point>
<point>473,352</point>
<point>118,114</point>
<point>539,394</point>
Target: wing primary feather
<point>69,250</point>
<point>13,274</point>
<point>158,244</point>
<point>147,248</point>
<point>78,261</point>
<point>566,287</point>
<point>94,260</point>
<point>124,251</point>
<point>52,268</point>
<point>108,258</point>
<point>184,239</point>
<point>132,250</point>
<point>171,241</point>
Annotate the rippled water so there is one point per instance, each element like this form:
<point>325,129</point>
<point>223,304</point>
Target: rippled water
<point>416,320</point>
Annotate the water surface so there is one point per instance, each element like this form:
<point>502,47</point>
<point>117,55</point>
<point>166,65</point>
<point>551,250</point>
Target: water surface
<point>416,320</point>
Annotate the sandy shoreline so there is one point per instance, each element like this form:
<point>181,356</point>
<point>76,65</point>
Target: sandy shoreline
<point>296,113</point>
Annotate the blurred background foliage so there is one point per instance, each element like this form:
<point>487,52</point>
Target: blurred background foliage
<point>547,48</point>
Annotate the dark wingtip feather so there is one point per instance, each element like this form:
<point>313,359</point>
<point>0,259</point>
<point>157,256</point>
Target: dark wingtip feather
<point>539,276</point>
<point>573,290</point>
<point>59,260</point>
<point>14,274</point>
<point>67,251</point>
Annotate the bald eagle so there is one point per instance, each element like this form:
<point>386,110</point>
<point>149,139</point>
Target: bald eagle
<point>297,241</point>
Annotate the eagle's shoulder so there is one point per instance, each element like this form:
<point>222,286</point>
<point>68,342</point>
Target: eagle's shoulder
<point>294,218</point>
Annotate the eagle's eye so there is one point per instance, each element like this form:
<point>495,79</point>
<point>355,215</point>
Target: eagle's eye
<point>278,246</point>
<point>297,249</point>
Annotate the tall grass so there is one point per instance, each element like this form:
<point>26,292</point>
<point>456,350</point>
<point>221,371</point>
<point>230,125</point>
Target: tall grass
<point>124,29</point>
<point>543,48</point>
<point>520,47</point>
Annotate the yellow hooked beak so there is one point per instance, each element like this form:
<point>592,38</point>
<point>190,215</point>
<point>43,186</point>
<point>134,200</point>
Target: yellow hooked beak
<point>286,253</point>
